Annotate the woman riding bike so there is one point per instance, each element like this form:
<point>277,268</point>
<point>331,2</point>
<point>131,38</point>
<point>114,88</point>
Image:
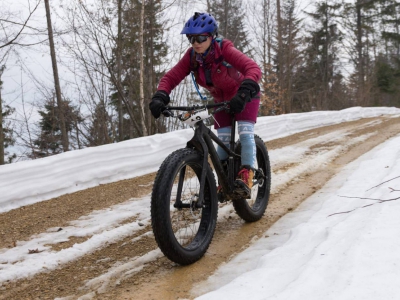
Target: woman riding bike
<point>237,83</point>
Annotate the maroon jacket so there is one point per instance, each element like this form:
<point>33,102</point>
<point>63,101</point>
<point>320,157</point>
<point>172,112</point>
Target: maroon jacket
<point>226,81</point>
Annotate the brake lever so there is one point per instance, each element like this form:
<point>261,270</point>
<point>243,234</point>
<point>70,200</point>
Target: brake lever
<point>167,113</point>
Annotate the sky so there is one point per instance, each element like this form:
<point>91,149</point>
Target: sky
<point>28,69</point>
<point>320,252</point>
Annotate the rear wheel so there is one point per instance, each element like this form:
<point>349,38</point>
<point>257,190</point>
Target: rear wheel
<point>253,209</point>
<point>182,230</point>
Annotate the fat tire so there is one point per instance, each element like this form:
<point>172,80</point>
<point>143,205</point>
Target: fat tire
<point>256,211</point>
<point>161,207</point>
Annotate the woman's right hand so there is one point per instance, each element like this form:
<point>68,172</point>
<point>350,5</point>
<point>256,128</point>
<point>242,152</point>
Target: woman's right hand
<point>158,103</point>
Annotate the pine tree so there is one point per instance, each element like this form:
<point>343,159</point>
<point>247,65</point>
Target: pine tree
<point>49,140</point>
<point>360,21</point>
<point>390,16</point>
<point>387,81</point>
<point>321,58</point>
<point>229,15</point>
<point>290,51</point>
<point>6,132</point>
<point>387,65</point>
<point>155,51</point>
<point>7,135</point>
<point>100,131</point>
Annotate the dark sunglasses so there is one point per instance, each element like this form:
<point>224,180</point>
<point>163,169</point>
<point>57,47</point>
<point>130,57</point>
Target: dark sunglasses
<point>197,38</point>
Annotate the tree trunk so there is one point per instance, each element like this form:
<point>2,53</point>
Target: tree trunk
<point>226,16</point>
<point>151,125</point>
<point>289,64</point>
<point>141,88</point>
<point>208,6</point>
<point>118,58</point>
<point>64,136</point>
<point>360,67</point>
<point>280,52</point>
<point>326,67</point>
<point>1,122</point>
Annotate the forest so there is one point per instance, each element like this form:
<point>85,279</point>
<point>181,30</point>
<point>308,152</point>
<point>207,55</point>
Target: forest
<point>106,57</point>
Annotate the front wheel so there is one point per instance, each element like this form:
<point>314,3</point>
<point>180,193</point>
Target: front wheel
<point>182,230</point>
<point>253,209</point>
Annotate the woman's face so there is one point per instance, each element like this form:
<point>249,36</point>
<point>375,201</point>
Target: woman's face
<point>200,47</point>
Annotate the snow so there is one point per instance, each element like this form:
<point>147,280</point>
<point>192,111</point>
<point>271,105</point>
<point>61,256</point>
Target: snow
<point>330,247</point>
<point>28,182</point>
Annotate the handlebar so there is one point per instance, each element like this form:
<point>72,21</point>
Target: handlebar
<point>221,106</point>
<point>195,113</point>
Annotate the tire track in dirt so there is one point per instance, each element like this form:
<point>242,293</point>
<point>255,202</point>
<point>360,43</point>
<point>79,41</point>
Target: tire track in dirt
<point>19,224</point>
<point>161,279</point>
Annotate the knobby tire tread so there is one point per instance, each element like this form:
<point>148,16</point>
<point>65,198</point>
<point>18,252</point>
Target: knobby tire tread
<point>160,212</point>
<point>241,206</point>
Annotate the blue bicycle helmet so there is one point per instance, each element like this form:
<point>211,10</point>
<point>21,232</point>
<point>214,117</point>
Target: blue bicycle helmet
<point>201,23</point>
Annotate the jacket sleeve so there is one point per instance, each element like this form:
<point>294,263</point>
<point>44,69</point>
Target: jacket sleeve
<point>241,62</point>
<point>174,76</point>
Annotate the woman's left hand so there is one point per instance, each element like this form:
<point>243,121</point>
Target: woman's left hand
<point>239,101</point>
<point>247,90</point>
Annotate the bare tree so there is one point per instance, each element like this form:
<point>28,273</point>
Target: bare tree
<point>64,135</point>
<point>119,70</point>
<point>1,121</point>
<point>262,22</point>
<point>141,79</point>
<point>94,40</point>
<point>279,51</point>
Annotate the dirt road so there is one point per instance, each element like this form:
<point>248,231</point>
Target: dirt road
<point>97,275</point>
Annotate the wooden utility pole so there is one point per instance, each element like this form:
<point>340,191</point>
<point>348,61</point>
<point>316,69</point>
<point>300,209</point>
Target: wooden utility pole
<point>64,135</point>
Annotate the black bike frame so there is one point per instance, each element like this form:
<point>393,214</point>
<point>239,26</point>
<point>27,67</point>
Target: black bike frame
<point>202,141</point>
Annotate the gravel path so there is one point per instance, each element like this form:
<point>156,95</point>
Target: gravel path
<point>90,275</point>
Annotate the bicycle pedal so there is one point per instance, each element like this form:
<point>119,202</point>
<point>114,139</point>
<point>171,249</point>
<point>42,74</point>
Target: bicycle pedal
<point>221,197</point>
<point>242,191</point>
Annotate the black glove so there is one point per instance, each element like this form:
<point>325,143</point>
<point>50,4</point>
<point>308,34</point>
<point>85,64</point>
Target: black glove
<point>247,90</point>
<point>158,102</point>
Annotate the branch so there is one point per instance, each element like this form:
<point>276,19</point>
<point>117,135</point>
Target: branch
<point>23,24</point>
<point>379,201</point>
<point>22,28</point>
<point>382,183</point>
<point>32,44</point>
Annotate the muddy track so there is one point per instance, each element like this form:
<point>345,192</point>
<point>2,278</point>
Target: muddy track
<point>133,267</point>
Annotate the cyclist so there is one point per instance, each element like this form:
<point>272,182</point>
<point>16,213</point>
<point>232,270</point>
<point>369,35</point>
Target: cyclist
<point>238,83</point>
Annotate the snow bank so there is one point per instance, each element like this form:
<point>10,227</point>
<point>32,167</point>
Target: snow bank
<point>22,184</point>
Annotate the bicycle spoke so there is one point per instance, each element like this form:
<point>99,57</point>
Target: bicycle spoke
<point>185,221</point>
